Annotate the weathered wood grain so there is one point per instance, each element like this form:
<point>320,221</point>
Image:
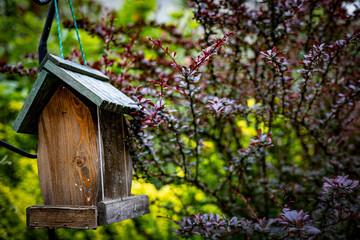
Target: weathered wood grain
<point>122,209</point>
<point>102,94</point>
<point>117,168</point>
<point>44,87</point>
<point>43,216</point>
<point>75,67</point>
<point>68,159</point>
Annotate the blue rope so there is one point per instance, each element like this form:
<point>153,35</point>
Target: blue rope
<point>77,33</point>
<point>58,27</point>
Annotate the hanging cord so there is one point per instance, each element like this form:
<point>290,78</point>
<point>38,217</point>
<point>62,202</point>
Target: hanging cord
<point>77,32</point>
<point>58,27</point>
<point>76,29</point>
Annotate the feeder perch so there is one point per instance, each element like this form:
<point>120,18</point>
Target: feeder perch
<point>84,165</point>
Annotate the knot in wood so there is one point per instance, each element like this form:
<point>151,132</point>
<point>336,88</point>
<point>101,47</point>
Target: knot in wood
<point>79,161</point>
<point>77,101</point>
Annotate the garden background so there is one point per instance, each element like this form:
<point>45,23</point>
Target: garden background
<point>255,118</point>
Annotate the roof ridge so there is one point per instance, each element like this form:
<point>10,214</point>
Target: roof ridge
<point>72,66</point>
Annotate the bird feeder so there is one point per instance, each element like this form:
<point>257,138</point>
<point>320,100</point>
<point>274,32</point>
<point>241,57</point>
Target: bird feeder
<point>84,165</point>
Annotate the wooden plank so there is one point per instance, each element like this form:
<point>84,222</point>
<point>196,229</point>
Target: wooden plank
<point>43,216</point>
<point>102,94</point>
<point>44,87</point>
<point>116,167</point>
<point>68,160</point>
<point>75,67</point>
<point>121,209</point>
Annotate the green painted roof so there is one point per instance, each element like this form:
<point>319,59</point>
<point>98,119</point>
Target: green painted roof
<point>85,82</point>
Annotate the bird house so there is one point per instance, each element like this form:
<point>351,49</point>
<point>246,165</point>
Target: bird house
<point>84,165</point>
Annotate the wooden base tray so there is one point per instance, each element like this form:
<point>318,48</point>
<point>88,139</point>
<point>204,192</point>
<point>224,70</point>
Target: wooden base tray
<point>86,217</point>
<point>49,216</point>
<point>121,209</point>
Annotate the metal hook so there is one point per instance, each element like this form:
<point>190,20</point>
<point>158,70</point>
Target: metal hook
<point>42,48</point>
<point>17,150</point>
<point>41,2</point>
<point>42,53</point>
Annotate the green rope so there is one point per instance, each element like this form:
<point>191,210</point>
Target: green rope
<point>77,33</point>
<point>58,27</point>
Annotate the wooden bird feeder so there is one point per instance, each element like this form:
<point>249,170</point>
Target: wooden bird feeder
<point>84,165</point>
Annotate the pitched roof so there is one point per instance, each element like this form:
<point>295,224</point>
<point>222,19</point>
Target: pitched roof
<point>89,83</point>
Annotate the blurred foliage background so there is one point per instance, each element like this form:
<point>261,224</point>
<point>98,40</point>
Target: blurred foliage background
<point>21,23</point>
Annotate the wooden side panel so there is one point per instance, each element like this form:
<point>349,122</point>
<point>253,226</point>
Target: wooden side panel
<point>43,216</point>
<point>122,209</point>
<point>117,168</point>
<point>68,159</point>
